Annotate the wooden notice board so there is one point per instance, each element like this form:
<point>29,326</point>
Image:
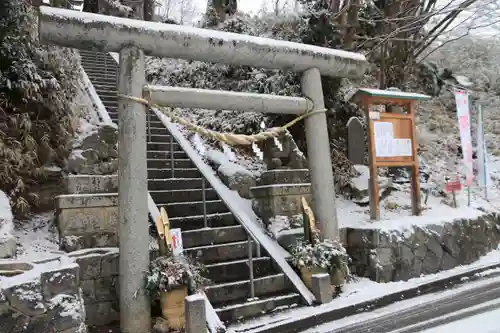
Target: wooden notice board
<point>392,140</point>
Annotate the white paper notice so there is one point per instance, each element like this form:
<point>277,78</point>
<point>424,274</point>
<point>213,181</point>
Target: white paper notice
<point>384,136</point>
<point>402,147</point>
<point>385,143</point>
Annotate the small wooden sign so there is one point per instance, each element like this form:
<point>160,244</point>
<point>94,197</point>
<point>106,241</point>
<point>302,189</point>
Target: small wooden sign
<point>453,186</point>
<point>309,221</point>
<point>166,226</point>
<point>392,139</point>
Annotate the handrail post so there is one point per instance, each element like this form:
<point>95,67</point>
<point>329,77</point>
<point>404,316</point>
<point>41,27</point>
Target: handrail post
<point>105,66</point>
<point>135,313</point>
<point>204,199</point>
<point>250,267</point>
<point>172,166</point>
<point>148,124</point>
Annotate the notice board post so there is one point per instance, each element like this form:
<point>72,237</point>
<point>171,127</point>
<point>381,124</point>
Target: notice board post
<point>392,139</point>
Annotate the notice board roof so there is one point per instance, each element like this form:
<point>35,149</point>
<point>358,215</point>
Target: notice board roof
<point>390,94</point>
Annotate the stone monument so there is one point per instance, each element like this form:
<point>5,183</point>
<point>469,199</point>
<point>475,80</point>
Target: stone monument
<point>279,189</point>
<point>355,141</point>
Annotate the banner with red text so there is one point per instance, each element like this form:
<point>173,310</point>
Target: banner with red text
<point>463,114</point>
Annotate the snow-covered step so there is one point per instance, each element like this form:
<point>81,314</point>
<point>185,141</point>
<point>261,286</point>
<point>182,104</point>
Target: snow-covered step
<point>164,138</point>
<point>105,89</point>
<point>109,99</point>
<point>240,290</point>
<point>178,173</point>
<point>237,270</point>
<point>163,146</point>
<point>155,154</point>
<point>192,222</point>
<point>178,209</point>
<point>102,80</point>
<point>101,73</point>
<point>256,307</point>
<point>209,236</point>
<point>165,163</point>
<point>110,102</point>
<point>185,195</point>
<point>108,93</point>
<point>209,254</point>
<point>174,183</point>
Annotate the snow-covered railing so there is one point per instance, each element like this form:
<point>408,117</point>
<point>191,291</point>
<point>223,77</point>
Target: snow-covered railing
<point>99,108</point>
<point>109,34</point>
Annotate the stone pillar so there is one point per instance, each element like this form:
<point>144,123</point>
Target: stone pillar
<point>321,288</point>
<point>194,310</point>
<point>355,141</point>
<point>278,193</point>
<point>135,305</point>
<point>319,157</point>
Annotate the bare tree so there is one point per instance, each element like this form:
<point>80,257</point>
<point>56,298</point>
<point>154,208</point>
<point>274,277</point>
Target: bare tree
<point>180,11</point>
<point>393,33</point>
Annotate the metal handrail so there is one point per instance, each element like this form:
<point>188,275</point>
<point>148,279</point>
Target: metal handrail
<point>99,107</point>
<point>254,231</point>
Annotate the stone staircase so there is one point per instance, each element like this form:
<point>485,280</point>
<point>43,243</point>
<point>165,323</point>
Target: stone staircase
<point>223,245</point>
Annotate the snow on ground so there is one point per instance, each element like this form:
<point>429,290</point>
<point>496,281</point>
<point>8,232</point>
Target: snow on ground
<point>396,212</point>
<point>6,218</point>
<point>7,241</point>
<point>362,290</point>
<point>401,306</point>
<point>37,237</point>
<point>486,322</point>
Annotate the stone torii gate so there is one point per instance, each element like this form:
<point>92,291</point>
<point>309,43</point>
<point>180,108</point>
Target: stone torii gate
<point>133,39</point>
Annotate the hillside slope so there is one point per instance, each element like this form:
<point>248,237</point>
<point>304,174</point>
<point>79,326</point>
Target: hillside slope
<point>439,142</point>
<point>37,86</point>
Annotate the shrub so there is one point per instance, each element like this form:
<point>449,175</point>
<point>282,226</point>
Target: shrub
<point>37,85</point>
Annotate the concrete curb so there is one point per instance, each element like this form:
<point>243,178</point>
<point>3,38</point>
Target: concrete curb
<point>299,324</point>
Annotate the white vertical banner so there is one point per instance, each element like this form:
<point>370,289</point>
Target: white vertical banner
<point>463,114</point>
<point>177,246</point>
<point>482,154</point>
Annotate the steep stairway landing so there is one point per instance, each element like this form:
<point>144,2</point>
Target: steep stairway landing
<point>223,244</point>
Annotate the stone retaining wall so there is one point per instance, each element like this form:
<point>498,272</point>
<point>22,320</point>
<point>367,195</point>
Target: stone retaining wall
<point>87,217</point>
<point>99,283</point>
<point>394,255</point>
<point>87,220</point>
<point>46,298</point>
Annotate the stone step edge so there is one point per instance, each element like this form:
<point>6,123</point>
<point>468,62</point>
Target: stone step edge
<point>104,177</point>
<point>212,246</point>
<point>185,219</point>
<point>257,301</point>
<point>176,169</point>
<point>230,228</point>
<point>192,190</point>
<point>191,203</point>
<point>237,261</point>
<point>322,316</point>
<point>78,200</point>
<point>242,282</point>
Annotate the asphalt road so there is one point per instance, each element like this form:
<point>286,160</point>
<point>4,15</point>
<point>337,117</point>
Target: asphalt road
<point>478,300</point>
